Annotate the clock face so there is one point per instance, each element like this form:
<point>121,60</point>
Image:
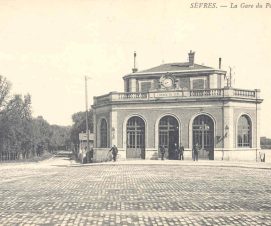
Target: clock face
<point>167,82</point>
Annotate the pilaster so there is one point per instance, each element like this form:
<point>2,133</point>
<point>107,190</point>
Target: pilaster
<point>213,81</point>
<point>229,128</point>
<point>114,128</point>
<point>94,128</point>
<point>258,128</point>
<point>133,85</point>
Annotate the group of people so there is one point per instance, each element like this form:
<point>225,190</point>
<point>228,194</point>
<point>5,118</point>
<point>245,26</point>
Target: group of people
<point>88,158</point>
<point>178,151</point>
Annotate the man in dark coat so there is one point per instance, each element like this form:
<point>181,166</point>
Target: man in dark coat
<point>176,151</point>
<point>162,151</point>
<point>196,152</point>
<point>114,151</point>
<point>89,155</point>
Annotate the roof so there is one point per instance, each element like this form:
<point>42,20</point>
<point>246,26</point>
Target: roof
<point>182,68</point>
<point>175,67</point>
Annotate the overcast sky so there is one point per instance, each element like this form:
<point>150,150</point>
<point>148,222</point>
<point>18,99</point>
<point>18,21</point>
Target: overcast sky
<point>47,47</point>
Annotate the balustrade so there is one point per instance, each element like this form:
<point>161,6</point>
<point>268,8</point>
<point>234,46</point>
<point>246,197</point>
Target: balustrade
<point>244,93</point>
<point>167,94</point>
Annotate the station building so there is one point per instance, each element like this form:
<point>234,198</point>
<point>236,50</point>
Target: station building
<point>184,103</point>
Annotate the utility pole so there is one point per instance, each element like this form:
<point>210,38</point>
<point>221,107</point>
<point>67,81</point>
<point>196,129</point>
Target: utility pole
<point>86,98</point>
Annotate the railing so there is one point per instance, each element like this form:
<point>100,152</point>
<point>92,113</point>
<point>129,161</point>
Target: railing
<point>207,92</point>
<point>244,93</point>
<point>132,96</point>
<point>176,94</point>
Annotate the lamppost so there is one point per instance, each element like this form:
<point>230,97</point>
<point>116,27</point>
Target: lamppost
<point>86,98</point>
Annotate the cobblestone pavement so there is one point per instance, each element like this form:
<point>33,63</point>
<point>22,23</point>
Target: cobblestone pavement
<point>59,192</point>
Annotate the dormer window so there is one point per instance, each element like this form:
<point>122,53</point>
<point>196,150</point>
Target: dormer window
<point>198,83</point>
<point>145,86</point>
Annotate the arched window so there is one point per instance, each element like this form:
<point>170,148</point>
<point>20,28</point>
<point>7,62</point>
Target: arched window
<point>135,132</point>
<point>168,131</point>
<point>168,135</point>
<point>203,135</point>
<point>244,132</point>
<point>103,133</point>
<point>135,138</point>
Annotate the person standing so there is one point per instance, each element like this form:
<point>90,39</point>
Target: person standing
<point>196,152</point>
<point>176,152</point>
<point>114,151</point>
<point>162,151</point>
<point>90,155</point>
<point>181,151</point>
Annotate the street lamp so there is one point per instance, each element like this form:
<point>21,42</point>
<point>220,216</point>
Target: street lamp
<point>86,98</point>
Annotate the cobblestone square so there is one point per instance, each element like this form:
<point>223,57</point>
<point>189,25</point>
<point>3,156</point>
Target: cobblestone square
<point>60,192</point>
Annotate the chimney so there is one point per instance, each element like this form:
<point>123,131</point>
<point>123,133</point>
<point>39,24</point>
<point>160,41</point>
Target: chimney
<point>191,56</point>
<point>134,69</point>
<point>219,64</point>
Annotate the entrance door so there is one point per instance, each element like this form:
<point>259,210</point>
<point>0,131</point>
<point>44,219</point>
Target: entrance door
<point>203,134</point>
<point>135,138</point>
<point>168,135</point>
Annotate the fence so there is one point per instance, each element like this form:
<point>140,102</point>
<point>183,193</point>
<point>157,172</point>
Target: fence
<point>18,157</point>
<point>9,156</point>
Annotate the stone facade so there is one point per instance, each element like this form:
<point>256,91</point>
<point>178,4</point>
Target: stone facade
<point>186,96</point>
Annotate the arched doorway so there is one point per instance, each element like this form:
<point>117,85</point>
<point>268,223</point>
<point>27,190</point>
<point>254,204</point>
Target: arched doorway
<point>135,138</point>
<point>203,134</point>
<point>168,135</point>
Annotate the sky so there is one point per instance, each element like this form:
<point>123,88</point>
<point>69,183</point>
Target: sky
<point>47,47</point>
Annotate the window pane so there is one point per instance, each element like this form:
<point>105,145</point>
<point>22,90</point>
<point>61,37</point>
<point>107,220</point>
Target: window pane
<point>198,84</point>
<point>135,133</point>
<point>145,86</point>
<point>244,132</point>
<point>103,133</point>
<point>167,125</point>
<point>203,132</point>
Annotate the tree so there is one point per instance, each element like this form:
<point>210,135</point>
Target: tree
<point>41,135</point>
<point>4,91</point>
<point>15,132</point>
<point>21,135</point>
<point>79,125</point>
<point>59,137</point>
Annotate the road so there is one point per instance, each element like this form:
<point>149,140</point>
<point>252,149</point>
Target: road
<point>61,192</point>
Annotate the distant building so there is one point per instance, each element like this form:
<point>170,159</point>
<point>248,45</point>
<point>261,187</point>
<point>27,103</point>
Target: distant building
<point>183,103</point>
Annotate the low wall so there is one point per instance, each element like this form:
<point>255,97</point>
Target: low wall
<point>103,155</point>
<point>235,155</point>
<point>243,155</point>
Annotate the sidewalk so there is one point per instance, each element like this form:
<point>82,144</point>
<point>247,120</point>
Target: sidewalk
<point>256,165</point>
